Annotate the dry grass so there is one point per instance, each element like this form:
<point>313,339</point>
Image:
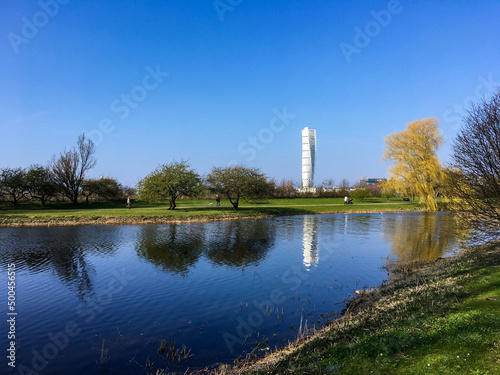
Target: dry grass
<point>118,220</point>
<point>43,221</point>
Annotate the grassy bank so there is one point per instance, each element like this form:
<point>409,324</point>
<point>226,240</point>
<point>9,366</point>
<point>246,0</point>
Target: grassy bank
<point>65,213</point>
<point>441,317</point>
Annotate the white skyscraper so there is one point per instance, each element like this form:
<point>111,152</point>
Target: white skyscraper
<point>308,157</point>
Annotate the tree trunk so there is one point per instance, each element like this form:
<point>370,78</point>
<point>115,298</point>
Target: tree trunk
<point>75,197</point>
<point>235,203</point>
<point>172,204</point>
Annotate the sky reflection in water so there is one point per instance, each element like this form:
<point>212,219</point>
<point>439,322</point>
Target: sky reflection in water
<point>216,288</point>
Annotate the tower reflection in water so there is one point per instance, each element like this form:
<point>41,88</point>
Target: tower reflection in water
<point>310,241</point>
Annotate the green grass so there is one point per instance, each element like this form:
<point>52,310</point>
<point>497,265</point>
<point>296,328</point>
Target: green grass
<point>438,318</point>
<point>115,212</point>
<point>186,203</point>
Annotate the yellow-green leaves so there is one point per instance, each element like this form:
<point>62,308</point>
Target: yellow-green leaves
<point>416,170</point>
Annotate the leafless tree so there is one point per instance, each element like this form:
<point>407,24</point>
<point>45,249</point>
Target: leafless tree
<point>70,167</point>
<point>475,169</point>
<point>328,183</point>
<point>285,189</point>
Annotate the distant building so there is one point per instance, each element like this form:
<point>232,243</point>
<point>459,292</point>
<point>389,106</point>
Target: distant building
<point>308,158</point>
<point>371,181</point>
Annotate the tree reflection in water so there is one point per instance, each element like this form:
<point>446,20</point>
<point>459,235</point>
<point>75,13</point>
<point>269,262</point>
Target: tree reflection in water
<point>173,248</point>
<point>240,243</point>
<point>421,236</point>
<point>61,250</point>
<point>177,247</point>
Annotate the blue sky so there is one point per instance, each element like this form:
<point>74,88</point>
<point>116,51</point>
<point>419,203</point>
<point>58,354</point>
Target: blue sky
<point>225,81</point>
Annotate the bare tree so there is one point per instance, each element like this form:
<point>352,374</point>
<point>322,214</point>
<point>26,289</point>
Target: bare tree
<point>285,189</point>
<point>475,169</point>
<point>328,183</point>
<point>344,188</point>
<point>70,167</point>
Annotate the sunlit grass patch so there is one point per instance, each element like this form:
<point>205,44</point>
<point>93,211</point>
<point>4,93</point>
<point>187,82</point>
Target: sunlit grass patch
<point>59,213</point>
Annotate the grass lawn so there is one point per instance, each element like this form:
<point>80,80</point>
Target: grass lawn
<point>57,213</point>
<point>439,317</point>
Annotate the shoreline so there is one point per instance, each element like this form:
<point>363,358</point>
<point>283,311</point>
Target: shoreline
<point>437,290</point>
<point>48,221</point>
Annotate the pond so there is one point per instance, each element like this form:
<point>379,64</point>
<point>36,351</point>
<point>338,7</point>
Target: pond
<point>131,299</point>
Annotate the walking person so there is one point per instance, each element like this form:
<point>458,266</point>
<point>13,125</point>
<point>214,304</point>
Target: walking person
<point>346,200</point>
<point>128,201</point>
<point>217,201</point>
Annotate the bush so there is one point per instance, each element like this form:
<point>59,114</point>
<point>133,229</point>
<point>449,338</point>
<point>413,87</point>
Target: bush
<point>361,194</point>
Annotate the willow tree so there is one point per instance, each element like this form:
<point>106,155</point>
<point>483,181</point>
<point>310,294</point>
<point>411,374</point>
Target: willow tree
<point>413,151</point>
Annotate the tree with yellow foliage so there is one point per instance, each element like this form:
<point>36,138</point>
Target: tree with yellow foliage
<point>416,170</point>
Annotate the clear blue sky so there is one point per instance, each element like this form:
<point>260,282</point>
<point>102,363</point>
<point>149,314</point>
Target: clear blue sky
<point>164,80</point>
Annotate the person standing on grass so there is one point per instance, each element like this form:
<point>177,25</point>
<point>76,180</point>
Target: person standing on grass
<point>217,200</point>
<point>128,201</point>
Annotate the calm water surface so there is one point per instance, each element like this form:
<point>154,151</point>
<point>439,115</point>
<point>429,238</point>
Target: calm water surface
<point>104,299</point>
